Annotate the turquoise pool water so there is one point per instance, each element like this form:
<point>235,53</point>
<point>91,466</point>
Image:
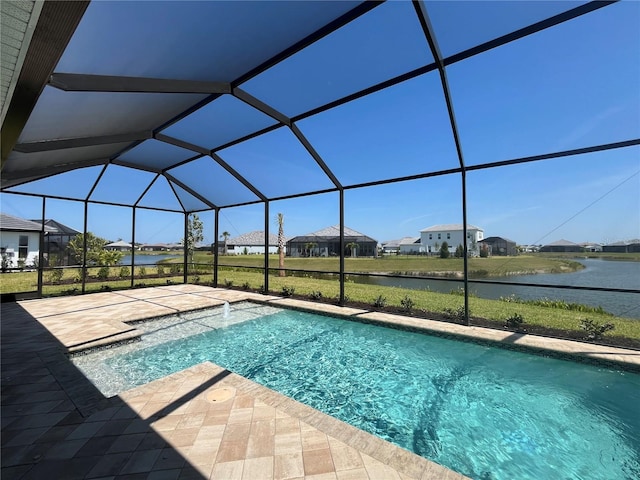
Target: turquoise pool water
<point>485,412</point>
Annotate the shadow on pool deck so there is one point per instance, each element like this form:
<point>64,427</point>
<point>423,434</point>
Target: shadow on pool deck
<point>56,424</point>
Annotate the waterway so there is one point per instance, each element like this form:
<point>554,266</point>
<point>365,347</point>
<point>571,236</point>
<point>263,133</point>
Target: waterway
<point>150,259</point>
<point>597,273</point>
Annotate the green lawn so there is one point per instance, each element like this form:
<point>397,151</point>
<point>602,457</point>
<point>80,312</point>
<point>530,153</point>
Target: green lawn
<point>478,267</point>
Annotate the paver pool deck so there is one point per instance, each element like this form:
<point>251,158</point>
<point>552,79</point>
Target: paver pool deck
<point>203,422</point>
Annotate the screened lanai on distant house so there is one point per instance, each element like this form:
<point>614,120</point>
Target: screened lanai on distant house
<point>326,243</point>
<point>199,107</point>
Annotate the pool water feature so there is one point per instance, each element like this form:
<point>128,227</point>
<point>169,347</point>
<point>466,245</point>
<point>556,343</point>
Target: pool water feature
<point>486,412</point>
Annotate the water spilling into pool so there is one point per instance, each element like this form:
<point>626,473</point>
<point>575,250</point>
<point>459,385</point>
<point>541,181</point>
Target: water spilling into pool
<point>485,412</point>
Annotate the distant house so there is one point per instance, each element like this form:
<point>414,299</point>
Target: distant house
<point>56,241</point>
<point>20,241</point>
<point>250,243</point>
<point>120,246</point>
<point>155,247</point>
<point>432,238</point>
<point>591,247</point>
<point>500,246</point>
<point>562,246</point>
<point>159,247</point>
<point>326,242</point>
<point>395,247</point>
<point>628,246</point>
<point>411,245</point>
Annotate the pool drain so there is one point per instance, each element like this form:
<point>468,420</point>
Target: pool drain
<point>218,395</point>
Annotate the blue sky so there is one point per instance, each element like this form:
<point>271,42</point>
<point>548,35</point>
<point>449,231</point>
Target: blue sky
<point>571,86</point>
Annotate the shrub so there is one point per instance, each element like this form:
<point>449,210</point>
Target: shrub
<point>444,250</point>
<point>54,276</point>
<point>380,302</point>
<point>316,295</point>
<point>160,269</point>
<point>262,290</point>
<point>6,262</point>
<point>174,269</point>
<point>142,271</point>
<point>78,278</point>
<point>459,251</point>
<point>103,273</point>
<point>595,330</point>
<point>124,272</point>
<point>406,303</point>
<point>515,321</point>
<point>560,304</point>
<point>228,283</point>
<point>288,291</point>
<point>455,314</point>
<point>246,286</point>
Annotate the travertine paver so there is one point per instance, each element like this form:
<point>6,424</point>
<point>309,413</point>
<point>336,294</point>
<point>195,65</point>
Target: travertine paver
<point>56,424</point>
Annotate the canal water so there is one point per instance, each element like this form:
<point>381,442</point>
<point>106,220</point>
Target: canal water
<point>597,273</point>
<point>150,259</point>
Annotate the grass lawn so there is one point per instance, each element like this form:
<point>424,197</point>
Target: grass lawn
<point>410,265</point>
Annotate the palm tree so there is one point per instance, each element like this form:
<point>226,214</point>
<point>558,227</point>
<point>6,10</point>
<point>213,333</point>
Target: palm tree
<point>310,246</point>
<point>352,247</point>
<point>281,272</point>
<point>225,235</point>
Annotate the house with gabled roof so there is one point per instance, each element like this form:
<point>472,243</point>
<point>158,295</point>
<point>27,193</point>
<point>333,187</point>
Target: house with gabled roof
<point>251,243</point>
<point>562,245</point>
<point>626,246</point>
<point>326,243</point>
<point>120,246</point>
<point>20,241</point>
<point>432,238</point>
<point>401,246</point>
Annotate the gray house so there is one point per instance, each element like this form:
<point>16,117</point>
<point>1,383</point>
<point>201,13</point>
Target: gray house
<point>562,246</point>
<point>629,246</point>
<point>56,241</point>
<point>326,243</point>
<point>500,246</point>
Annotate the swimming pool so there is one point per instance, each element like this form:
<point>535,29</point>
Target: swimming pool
<point>485,412</point>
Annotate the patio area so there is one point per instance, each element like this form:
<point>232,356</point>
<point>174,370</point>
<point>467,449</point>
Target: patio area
<point>203,422</point>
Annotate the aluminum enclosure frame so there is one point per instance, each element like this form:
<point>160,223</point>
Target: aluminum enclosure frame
<point>63,18</point>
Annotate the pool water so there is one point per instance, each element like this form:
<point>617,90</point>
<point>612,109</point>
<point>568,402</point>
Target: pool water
<point>488,413</point>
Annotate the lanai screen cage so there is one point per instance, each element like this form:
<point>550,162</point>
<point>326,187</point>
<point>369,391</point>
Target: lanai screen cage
<point>206,107</point>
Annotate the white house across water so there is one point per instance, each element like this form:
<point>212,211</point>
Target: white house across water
<point>432,238</point>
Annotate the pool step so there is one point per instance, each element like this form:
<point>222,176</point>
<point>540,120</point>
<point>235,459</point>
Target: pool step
<point>127,336</point>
